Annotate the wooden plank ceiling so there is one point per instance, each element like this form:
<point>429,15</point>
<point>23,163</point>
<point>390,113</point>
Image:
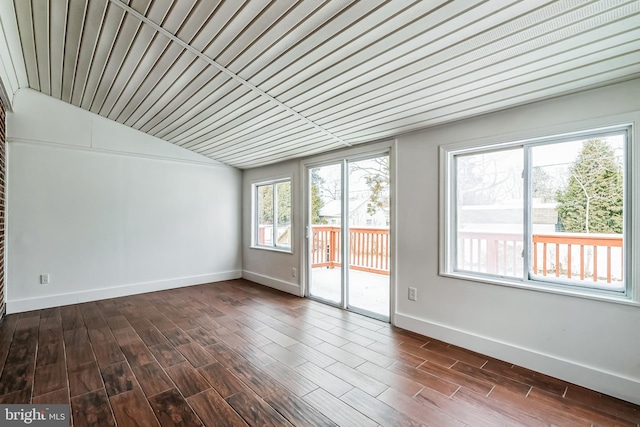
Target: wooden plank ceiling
<point>256,82</point>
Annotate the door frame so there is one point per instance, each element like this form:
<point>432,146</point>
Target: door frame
<point>342,156</point>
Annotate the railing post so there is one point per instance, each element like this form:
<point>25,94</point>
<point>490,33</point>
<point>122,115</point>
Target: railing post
<point>332,248</point>
<point>492,256</point>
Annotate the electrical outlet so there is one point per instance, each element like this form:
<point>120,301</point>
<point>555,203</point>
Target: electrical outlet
<point>413,294</point>
<point>44,279</point>
<point>294,272</point>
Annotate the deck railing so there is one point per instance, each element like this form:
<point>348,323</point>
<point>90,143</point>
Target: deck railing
<point>595,257</point>
<point>574,246</point>
<point>368,248</point>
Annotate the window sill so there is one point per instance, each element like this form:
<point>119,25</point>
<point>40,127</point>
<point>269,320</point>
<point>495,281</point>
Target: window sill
<point>273,249</point>
<point>542,287</point>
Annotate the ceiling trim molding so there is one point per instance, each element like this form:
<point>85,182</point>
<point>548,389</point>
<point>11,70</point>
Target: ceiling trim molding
<point>243,82</point>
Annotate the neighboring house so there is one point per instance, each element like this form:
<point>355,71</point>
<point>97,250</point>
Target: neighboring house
<point>358,213</point>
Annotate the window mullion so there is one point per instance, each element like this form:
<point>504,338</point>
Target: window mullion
<point>275,215</point>
<point>527,214</point>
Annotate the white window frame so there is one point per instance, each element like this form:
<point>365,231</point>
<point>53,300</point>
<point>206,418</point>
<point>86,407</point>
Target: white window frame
<point>631,238</point>
<point>254,215</point>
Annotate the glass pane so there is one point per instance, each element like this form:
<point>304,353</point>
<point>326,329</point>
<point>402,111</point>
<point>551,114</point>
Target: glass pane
<point>326,214</point>
<point>489,212</point>
<point>369,211</point>
<point>577,204</point>
<point>265,214</point>
<point>284,214</point>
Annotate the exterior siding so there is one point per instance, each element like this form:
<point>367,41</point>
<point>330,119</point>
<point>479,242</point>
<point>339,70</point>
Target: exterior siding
<point>2,207</point>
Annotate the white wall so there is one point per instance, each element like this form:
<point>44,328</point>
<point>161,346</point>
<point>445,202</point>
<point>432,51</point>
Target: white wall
<point>109,211</point>
<point>588,342</point>
<point>592,343</point>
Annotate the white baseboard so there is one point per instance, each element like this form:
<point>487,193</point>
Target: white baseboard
<point>38,303</point>
<point>278,284</point>
<point>605,382</point>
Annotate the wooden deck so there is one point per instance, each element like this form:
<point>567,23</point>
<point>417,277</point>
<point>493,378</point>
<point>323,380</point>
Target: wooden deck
<point>235,353</point>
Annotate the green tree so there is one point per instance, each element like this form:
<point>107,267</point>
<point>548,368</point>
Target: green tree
<point>265,203</point>
<point>592,199</point>
<point>316,201</point>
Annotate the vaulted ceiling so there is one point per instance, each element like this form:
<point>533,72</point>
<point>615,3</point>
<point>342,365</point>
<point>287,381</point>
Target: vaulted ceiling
<point>254,82</point>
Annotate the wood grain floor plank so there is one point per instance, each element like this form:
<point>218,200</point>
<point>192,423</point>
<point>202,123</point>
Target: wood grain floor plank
<point>196,355</point>
<point>327,336</point>
<point>171,409</point>
<point>254,355</point>
<point>549,415</point>
<point>368,354</point>
<point>16,377</point>
<point>485,405</point>
<point>187,379</point>
<point>223,381</point>
<point>20,397</point>
<point>311,355</point>
<point>398,355</point>
<point>377,410</point>
<point>427,380</point>
<point>167,355</point>
<point>132,409</point>
<point>289,378</point>
<point>76,336</point>
<point>214,411</point>
<point>107,353</point>
<point>428,354</point>
<point>474,384</point>
<point>329,382</point>
<point>92,409</point>
<point>279,358</point>
<point>152,378</point>
<point>261,383</point>
<point>351,336</point>
<point>49,378</point>
<point>442,411</point>
<point>398,382</point>
<point>517,374</point>
<point>151,337</point>
<point>50,337</point>
<point>58,397</point>
<point>603,403</point>
<point>283,354</point>
<point>255,411</point>
<point>551,400</point>
<point>225,355</point>
<point>337,411</point>
<point>491,377</point>
<point>176,336</point>
<point>340,355</point>
<point>357,379</point>
<point>297,411</point>
<point>136,352</point>
<point>50,354</point>
<point>118,378</point>
<point>84,378</point>
<point>202,336</point>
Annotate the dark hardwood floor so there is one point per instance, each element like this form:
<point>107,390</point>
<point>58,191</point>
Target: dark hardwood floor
<point>235,353</point>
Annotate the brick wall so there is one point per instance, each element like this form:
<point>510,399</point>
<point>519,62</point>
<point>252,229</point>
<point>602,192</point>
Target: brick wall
<point>2,206</point>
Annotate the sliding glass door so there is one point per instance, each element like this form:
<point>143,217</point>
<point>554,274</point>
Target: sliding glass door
<point>348,237</point>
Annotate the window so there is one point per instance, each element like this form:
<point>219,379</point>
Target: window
<point>272,211</point>
<point>548,212</point>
